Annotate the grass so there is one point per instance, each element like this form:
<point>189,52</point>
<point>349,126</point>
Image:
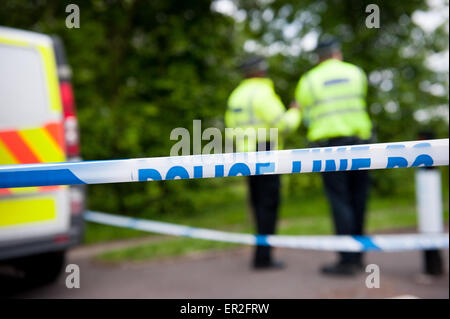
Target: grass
<point>168,248</point>
<point>298,216</point>
<point>96,233</point>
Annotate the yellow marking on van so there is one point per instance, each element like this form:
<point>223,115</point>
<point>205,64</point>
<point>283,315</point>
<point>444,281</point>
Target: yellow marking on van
<point>6,158</point>
<point>13,212</point>
<point>52,79</point>
<point>42,145</point>
<point>14,42</point>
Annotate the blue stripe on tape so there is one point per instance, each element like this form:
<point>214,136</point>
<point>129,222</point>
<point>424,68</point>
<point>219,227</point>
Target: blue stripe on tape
<point>188,231</point>
<point>367,243</point>
<point>38,178</point>
<point>395,146</point>
<point>132,223</point>
<point>261,240</point>
<point>425,144</point>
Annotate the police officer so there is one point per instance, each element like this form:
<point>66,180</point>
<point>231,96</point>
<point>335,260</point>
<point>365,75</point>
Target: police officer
<point>254,104</point>
<point>332,99</point>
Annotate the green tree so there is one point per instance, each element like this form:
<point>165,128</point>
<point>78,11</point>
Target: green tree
<point>140,69</point>
<point>394,56</point>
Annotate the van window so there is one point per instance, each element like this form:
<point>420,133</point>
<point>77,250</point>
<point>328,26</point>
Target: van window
<point>23,97</point>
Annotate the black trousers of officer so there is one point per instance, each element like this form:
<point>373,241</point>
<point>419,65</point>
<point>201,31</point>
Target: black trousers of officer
<point>347,193</point>
<point>265,200</point>
<point>264,193</point>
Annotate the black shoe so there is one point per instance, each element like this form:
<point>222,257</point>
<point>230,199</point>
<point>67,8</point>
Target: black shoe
<point>269,265</point>
<point>342,269</point>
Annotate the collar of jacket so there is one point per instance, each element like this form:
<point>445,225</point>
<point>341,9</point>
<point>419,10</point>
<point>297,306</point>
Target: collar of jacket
<point>265,81</point>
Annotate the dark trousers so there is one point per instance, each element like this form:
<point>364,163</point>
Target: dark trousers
<point>264,199</point>
<point>347,193</point>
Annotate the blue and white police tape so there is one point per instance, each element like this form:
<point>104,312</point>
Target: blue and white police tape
<point>340,158</point>
<point>331,243</point>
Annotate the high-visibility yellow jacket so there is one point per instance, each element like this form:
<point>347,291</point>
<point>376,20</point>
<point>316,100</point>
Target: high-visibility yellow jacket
<point>332,98</point>
<point>254,104</point>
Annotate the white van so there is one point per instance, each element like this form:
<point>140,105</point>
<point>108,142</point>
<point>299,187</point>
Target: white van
<point>37,124</point>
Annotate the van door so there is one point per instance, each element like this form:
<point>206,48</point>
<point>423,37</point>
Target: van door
<point>31,131</point>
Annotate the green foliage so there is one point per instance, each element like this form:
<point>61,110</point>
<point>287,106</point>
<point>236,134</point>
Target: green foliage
<point>142,68</point>
<point>163,249</point>
<point>393,56</point>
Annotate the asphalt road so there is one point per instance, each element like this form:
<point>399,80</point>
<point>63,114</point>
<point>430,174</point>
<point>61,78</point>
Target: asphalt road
<point>227,274</point>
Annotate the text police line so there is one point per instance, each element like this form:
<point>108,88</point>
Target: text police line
<point>357,157</point>
<point>243,169</point>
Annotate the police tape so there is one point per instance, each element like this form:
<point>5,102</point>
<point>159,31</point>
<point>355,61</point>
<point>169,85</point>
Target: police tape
<point>386,243</point>
<point>325,159</point>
